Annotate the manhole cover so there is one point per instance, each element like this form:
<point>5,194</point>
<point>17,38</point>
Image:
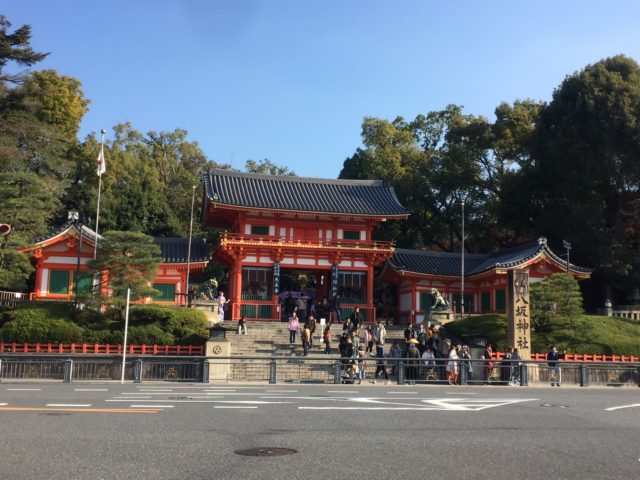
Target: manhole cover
<point>266,452</point>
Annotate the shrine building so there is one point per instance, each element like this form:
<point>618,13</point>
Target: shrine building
<point>288,236</point>
<point>416,272</point>
<point>61,263</point>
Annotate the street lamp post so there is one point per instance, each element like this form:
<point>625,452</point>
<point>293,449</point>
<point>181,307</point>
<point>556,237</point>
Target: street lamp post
<point>193,198</point>
<point>74,216</point>
<point>462,268</point>
<point>567,246</point>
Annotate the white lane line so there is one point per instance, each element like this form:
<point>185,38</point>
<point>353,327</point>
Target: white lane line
<point>257,402</point>
<point>365,408</point>
<point>151,406</point>
<point>342,391</point>
<point>68,405</point>
<point>611,409</point>
<point>230,406</point>
<point>129,399</point>
<point>281,391</point>
<point>3,404</point>
<point>460,393</point>
<point>90,389</point>
<point>402,392</point>
<point>143,393</point>
<point>24,389</point>
<point>175,387</point>
<point>231,394</point>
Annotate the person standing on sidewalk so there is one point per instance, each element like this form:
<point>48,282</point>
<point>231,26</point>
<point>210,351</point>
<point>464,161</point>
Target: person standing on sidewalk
<point>555,375</point>
<point>381,366</point>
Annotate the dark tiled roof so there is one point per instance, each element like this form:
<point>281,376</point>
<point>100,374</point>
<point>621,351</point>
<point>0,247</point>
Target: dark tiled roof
<point>434,263</point>
<point>449,264</point>
<point>175,250</point>
<point>276,192</point>
<point>86,233</point>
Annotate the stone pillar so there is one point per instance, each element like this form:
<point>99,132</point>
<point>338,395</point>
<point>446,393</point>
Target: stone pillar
<point>519,312</point>
<point>217,351</point>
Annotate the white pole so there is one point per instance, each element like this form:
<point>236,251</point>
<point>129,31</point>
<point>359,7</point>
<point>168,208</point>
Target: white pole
<point>95,244</point>
<point>193,198</point>
<point>126,328</point>
<point>462,269</point>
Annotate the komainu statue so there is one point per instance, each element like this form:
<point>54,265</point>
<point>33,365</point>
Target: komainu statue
<point>439,302</point>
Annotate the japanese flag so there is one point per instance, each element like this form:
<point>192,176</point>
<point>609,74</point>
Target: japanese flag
<point>102,165</point>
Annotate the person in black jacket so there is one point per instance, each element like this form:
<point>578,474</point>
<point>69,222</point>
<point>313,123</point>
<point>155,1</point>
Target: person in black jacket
<point>555,375</point>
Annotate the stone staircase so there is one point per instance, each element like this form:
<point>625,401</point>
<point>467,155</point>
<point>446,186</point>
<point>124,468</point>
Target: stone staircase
<point>272,339</point>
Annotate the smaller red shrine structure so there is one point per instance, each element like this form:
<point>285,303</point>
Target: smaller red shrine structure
<point>61,265</point>
<point>288,236</point>
<point>416,272</point>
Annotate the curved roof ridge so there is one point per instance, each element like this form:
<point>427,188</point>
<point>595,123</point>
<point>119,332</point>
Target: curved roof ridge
<point>371,198</point>
<point>295,178</point>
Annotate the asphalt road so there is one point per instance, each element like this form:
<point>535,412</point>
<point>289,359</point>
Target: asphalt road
<point>183,431</point>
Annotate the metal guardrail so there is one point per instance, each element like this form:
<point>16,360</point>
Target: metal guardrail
<point>69,368</point>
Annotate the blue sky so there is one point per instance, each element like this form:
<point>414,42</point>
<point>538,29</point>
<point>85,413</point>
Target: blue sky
<point>292,80</point>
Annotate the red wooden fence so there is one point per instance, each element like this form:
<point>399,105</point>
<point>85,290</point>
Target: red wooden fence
<point>575,357</point>
<point>186,350</point>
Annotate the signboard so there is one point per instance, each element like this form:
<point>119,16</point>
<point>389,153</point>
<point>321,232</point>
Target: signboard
<point>276,278</point>
<point>334,280</point>
<point>519,324</point>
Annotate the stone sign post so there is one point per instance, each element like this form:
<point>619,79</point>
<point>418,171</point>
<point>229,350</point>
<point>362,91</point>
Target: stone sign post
<point>519,324</point>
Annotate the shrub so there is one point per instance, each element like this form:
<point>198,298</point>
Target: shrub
<point>38,330</point>
<point>149,335</point>
<point>40,311</point>
<point>103,337</point>
<point>185,326</point>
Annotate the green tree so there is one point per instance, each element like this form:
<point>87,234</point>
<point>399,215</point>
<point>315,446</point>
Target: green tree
<point>15,47</point>
<point>56,100</point>
<point>267,167</point>
<point>583,183</point>
<point>556,302</point>
<point>25,204</point>
<point>131,260</point>
<point>148,183</point>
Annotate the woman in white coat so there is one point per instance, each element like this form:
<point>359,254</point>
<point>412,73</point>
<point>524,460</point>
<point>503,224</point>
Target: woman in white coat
<point>453,366</point>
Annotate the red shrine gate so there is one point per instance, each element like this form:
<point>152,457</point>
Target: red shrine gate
<point>292,236</point>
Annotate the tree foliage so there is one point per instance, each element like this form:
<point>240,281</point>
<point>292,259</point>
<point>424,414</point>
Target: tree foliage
<point>15,47</point>
<point>267,167</point>
<point>585,177</point>
<point>25,205</point>
<point>56,100</point>
<point>131,260</point>
<point>555,303</point>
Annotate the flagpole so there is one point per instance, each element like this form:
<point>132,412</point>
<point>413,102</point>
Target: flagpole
<point>193,198</point>
<point>100,172</point>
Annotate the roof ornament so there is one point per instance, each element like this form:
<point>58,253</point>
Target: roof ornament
<point>542,241</point>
